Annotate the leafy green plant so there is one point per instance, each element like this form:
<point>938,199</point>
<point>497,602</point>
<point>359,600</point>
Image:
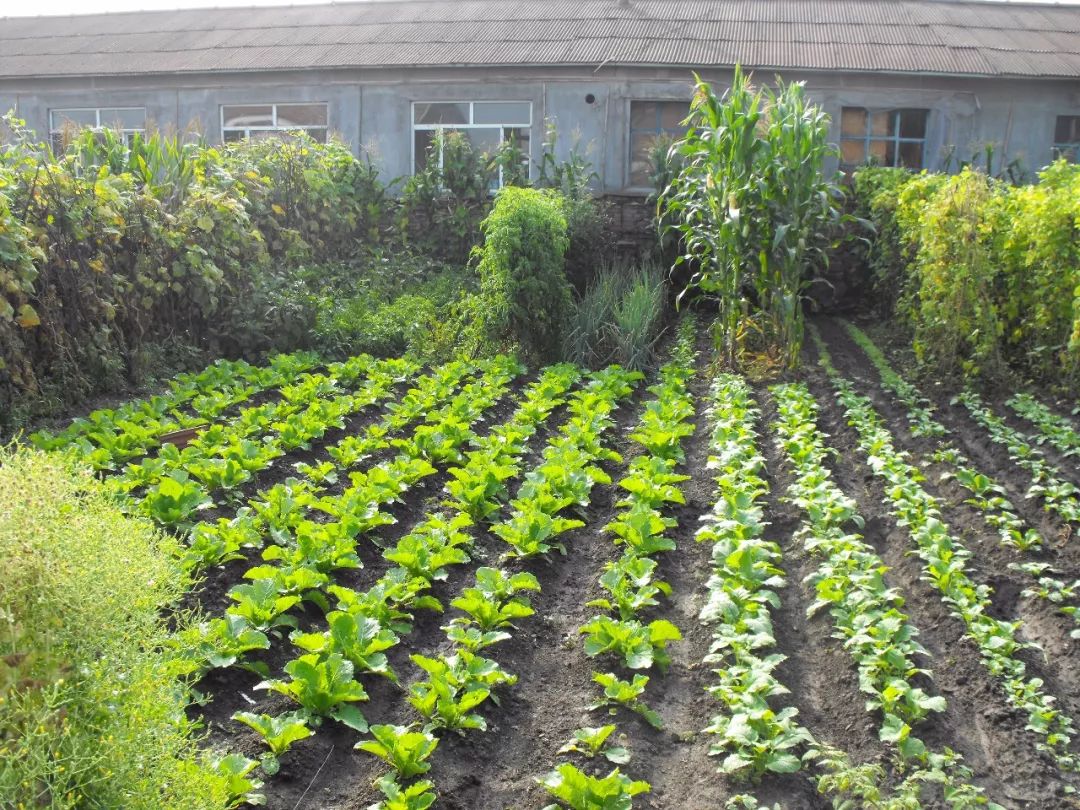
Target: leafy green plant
<point>592,742</point>
<point>405,750</point>
<point>175,499</point>
<point>525,291</point>
<point>631,584</point>
<point>454,687</point>
<point>640,645</point>
<point>279,733</point>
<point>417,796</point>
<point>324,687</point>
<point>577,790</point>
<point>219,642</point>
<point>361,639</point>
<point>627,694</point>
<point>263,604</point>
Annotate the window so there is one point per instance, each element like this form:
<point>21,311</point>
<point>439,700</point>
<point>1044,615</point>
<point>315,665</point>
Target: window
<point>650,120</point>
<point>885,137</point>
<point>239,121</point>
<point>487,125</point>
<point>1067,137</point>
<point>128,120</point>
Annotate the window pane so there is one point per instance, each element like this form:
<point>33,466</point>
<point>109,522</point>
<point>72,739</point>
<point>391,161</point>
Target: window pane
<point>422,139</point>
<point>882,123</point>
<point>76,118</point>
<point>853,121</point>
<point>879,152</point>
<point>484,141</point>
<point>301,115</point>
<point>124,119</point>
<point>672,114</point>
<point>1067,129</point>
<point>641,144</point>
<point>910,155</point>
<point>644,115</point>
<point>441,113</point>
<point>318,135</point>
<point>261,115</point>
<point>852,153</point>
<point>502,112</point>
<point>234,135</point>
<point>913,123</point>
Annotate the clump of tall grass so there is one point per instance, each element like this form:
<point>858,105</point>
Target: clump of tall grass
<point>752,210</point>
<point>619,318</point>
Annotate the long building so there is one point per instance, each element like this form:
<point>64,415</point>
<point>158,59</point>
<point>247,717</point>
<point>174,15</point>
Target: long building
<point>915,83</point>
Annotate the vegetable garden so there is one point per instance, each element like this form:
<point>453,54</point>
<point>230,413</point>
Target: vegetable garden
<point>758,572</point>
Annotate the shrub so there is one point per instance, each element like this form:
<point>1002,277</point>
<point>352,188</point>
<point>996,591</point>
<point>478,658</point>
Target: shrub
<point>986,274</point>
<point>92,712</point>
<point>522,281</point>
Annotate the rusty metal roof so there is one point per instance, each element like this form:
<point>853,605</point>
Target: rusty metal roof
<point>906,36</point>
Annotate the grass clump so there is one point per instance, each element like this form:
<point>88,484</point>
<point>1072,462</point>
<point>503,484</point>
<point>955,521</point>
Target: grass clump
<point>619,318</point>
<point>91,703</point>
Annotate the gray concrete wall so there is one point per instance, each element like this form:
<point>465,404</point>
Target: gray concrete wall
<point>371,109</point>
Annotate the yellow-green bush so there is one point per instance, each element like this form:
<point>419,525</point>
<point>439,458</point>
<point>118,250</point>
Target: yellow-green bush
<point>985,274</point>
<point>91,708</point>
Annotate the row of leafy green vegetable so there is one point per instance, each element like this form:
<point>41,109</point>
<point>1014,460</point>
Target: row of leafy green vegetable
<point>945,561</point>
<point>304,555</point>
<point>867,613</point>
<point>110,436</point>
<point>987,495</point>
<point>632,586</point>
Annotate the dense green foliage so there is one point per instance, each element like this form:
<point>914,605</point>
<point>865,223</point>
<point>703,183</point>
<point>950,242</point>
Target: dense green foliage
<point>986,274</point>
<point>752,209</point>
<point>107,249</point>
<point>525,293</point>
<point>91,709</point>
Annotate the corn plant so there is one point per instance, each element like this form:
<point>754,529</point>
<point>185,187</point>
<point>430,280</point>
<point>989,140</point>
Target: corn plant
<point>751,208</point>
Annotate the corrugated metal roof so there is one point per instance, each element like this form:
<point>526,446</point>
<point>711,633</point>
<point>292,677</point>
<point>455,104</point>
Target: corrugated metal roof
<point>938,36</point>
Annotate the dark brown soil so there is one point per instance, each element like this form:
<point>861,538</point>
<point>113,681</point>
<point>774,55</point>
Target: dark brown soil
<point>498,769</point>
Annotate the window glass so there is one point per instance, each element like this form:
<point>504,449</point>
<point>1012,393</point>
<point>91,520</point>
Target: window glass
<point>249,115</point>
<point>485,124</point>
<point>301,115</point>
<point>502,112</point>
<point>883,137</point>
<point>1067,137</point>
<point>75,118</point>
<point>441,113</point>
<point>853,121</point>
<point>649,121</point>
<point>123,118</point>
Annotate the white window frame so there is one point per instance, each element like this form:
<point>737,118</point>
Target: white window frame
<point>273,105</point>
<point>894,139</point>
<point>126,132</point>
<point>660,130</point>
<point>415,127</point>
